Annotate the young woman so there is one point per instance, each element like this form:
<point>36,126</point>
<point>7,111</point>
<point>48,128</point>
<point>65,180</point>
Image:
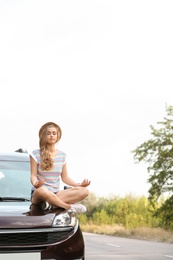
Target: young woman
<point>48,166</point>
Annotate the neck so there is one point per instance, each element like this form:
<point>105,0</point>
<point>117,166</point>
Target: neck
<point>51,148</point>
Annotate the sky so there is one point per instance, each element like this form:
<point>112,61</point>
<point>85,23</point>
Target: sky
<point>102,70</point>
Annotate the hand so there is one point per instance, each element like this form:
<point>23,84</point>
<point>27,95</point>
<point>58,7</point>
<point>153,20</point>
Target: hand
<point>85,183</point>
<point>38,183</point>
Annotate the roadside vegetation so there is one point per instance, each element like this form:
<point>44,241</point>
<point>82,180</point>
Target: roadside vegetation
<point>140,217</point>
<point>127,216</point>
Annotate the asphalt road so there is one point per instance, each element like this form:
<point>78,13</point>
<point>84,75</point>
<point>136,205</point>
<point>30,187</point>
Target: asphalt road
<point>98,247</point>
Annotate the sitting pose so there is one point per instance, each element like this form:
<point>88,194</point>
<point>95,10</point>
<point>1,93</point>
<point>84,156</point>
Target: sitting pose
<point>48,165</point>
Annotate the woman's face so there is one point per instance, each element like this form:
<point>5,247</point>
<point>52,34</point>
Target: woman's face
<point>52,135</point>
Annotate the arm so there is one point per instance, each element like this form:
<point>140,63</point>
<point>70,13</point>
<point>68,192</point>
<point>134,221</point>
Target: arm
<point>66,179</point>
<point>34,181</point>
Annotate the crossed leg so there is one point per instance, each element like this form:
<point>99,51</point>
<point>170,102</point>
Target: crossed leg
<point>61,199</point>
<point>72,195</point>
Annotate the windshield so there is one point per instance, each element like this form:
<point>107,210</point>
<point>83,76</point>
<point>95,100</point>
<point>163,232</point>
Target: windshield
<point>15,179</point>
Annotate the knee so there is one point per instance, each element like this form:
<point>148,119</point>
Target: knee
<point>84,192</point>
<point>39,192</point>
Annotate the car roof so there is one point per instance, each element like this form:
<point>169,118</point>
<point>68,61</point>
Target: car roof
<point>14,156</point>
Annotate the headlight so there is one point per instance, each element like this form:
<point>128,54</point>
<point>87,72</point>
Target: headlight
<point>65,220</point>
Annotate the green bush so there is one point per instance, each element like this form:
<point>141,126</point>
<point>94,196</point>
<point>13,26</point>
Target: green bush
<point>129,211</point>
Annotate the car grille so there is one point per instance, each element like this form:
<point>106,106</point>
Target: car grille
<point>32,238</point>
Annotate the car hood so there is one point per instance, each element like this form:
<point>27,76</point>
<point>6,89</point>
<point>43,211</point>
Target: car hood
<point>22,215</point>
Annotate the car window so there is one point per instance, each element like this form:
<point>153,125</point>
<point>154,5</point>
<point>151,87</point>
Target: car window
<point>15,179</point>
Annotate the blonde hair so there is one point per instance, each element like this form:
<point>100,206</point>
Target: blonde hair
<point>46,162</point>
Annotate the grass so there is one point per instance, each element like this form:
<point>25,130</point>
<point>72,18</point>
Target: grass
<point>145,233</point>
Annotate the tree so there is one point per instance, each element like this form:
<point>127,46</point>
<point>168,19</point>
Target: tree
<point>158,154</point>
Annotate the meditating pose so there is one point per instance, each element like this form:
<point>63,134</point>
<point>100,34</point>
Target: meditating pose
<point>48,167</point>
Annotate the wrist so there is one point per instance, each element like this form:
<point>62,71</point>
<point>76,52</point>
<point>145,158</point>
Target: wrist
<point>35,184</point>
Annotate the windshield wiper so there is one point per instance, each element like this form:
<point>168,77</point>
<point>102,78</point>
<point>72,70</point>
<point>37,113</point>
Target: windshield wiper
<point>13,199</point>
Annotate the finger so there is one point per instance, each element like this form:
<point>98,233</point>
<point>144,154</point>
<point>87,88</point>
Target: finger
<point>41,182</point>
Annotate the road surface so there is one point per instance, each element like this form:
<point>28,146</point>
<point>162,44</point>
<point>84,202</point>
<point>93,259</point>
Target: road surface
<point>102,247</point>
